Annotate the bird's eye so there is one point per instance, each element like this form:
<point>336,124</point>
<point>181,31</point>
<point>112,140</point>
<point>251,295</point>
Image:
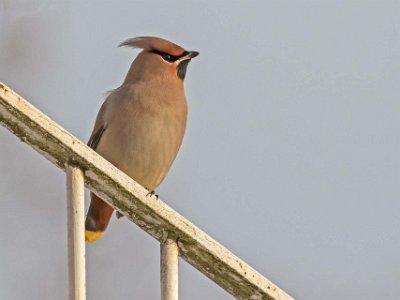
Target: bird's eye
<point>167,57</point>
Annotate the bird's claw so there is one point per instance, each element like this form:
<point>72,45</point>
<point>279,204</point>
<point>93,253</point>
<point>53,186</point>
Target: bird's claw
<point>152,193</point>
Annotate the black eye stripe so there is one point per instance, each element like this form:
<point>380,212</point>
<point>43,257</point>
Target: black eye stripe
<point>169,57</point>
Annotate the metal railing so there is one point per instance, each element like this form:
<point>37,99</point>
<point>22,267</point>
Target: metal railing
<point>177,236</point>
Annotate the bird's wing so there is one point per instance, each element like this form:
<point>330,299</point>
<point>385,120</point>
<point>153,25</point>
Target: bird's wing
<point>96,136</point>
<point>108,113</point>
<point>99,127</point>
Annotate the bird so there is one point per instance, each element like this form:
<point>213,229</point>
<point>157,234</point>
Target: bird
<point>141,124</point>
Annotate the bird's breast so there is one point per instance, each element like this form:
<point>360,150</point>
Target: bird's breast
<point>143,139</point>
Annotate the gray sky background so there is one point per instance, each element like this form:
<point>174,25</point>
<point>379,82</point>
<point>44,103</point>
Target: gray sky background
<point>290,159</point>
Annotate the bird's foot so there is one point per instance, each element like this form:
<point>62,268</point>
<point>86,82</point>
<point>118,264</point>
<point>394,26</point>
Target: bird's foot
<point>152,193</point>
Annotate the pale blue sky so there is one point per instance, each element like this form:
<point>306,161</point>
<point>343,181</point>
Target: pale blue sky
<point>290,159</point>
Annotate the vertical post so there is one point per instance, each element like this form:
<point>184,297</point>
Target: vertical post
<point>76,234</point>
<point>169,269</point>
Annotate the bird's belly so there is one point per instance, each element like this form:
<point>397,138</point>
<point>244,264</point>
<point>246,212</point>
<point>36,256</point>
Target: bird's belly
<point>145,152</point>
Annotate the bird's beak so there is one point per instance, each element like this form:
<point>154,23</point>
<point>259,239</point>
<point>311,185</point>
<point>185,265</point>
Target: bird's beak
<point>189,55</point>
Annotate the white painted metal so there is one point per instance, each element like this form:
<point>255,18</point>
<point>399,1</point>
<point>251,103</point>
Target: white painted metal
<point>123,193</point>
<point>169,260</point>
<point>76,233</point>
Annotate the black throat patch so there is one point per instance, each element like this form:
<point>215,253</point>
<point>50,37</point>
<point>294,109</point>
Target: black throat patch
<point>182,68</point>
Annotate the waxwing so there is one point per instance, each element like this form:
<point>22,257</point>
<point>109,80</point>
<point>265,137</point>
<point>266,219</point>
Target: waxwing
<point>140,126</point>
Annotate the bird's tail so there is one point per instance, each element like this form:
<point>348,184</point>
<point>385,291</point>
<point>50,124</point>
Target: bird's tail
<point>97,218</point>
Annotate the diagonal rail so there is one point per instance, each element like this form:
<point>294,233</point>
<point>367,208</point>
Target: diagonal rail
<point>124,194</point>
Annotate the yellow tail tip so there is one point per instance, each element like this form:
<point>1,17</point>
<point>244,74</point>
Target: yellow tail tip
<point>92,236</point>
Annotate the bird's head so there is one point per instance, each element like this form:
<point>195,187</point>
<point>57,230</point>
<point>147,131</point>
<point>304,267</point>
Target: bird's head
<point>159,58</point>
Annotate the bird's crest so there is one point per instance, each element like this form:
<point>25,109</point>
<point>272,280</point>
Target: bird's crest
<point>152,43</point>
